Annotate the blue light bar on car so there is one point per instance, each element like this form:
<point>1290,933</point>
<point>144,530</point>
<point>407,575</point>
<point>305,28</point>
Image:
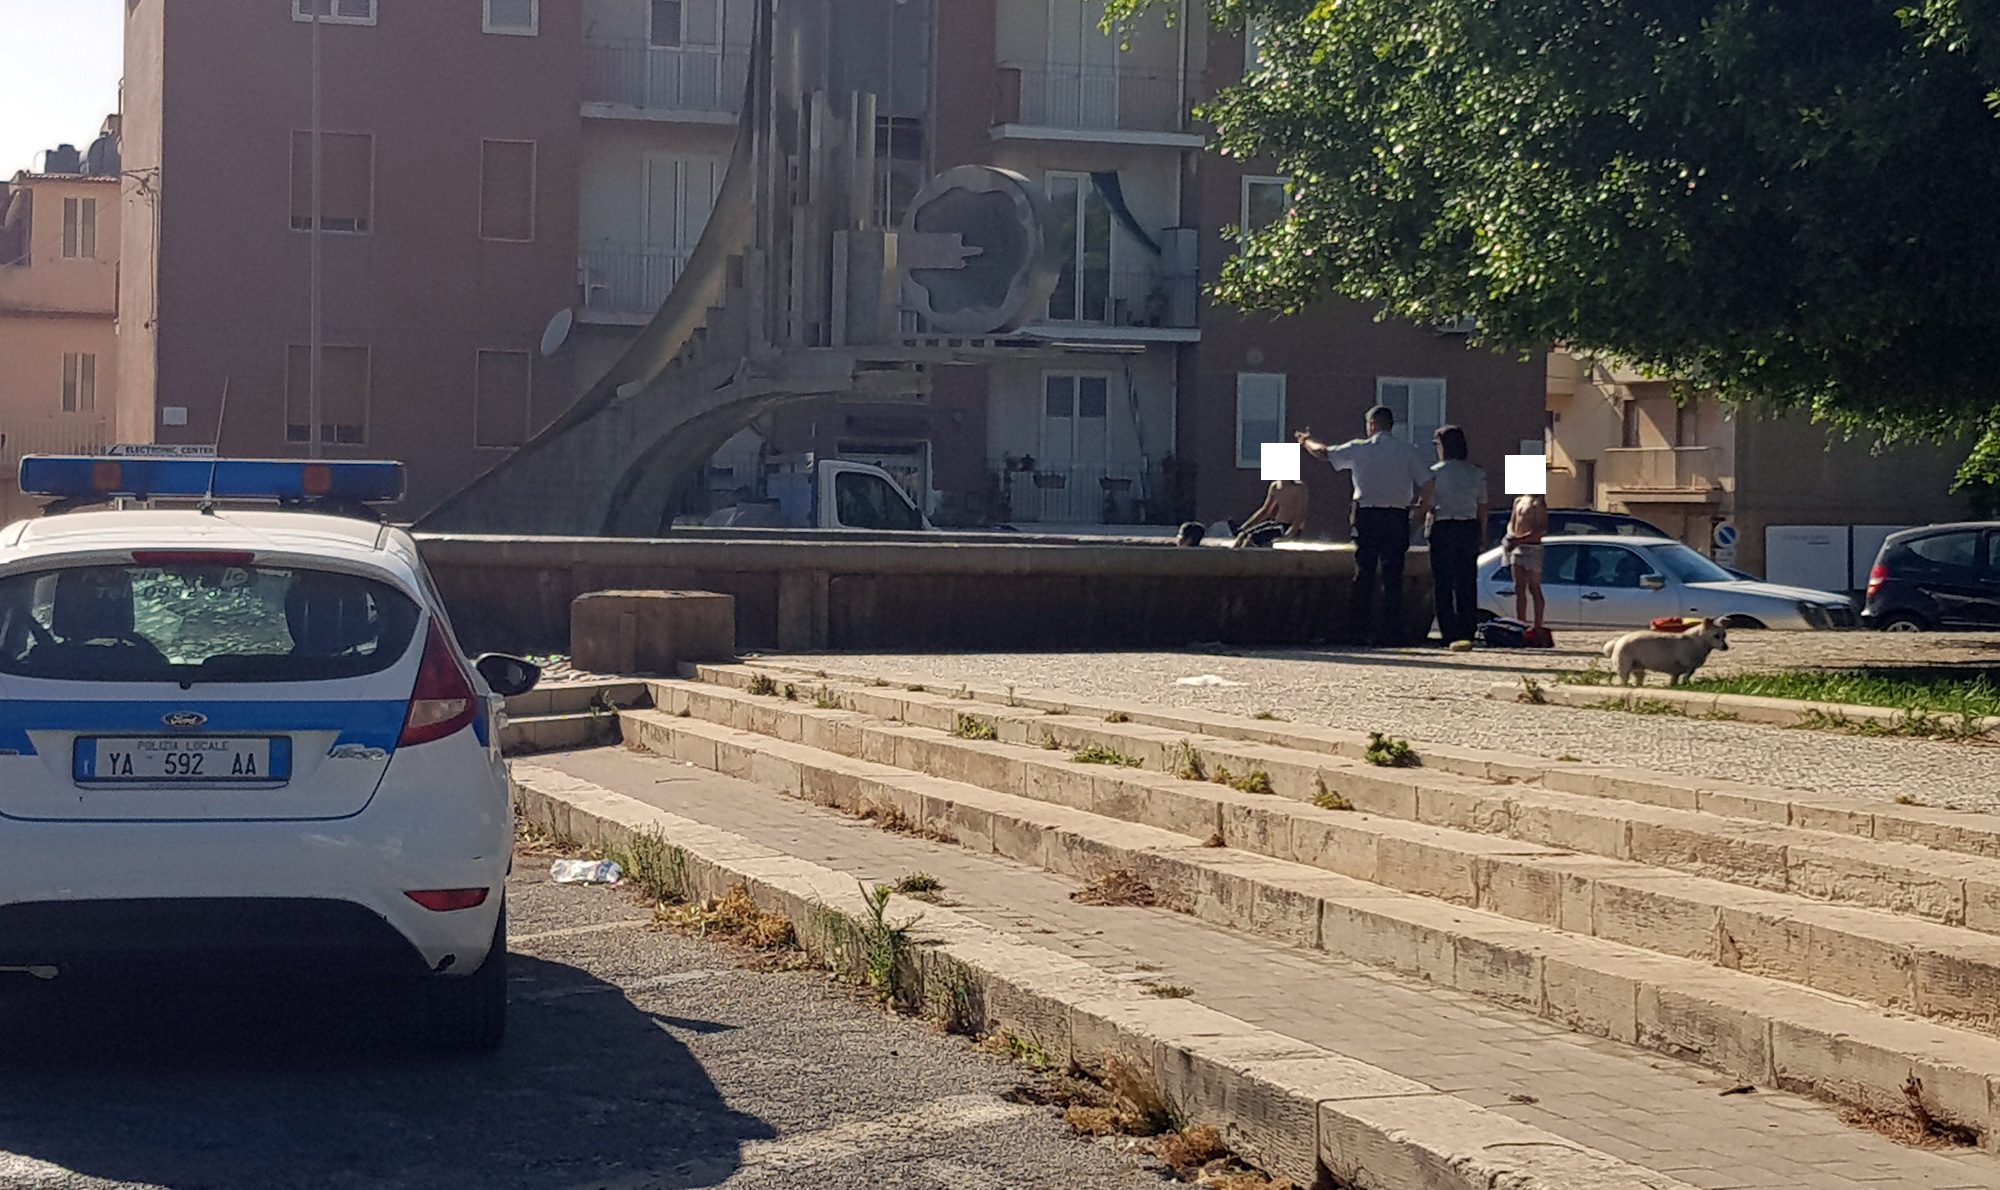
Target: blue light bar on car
<point>85,477</point>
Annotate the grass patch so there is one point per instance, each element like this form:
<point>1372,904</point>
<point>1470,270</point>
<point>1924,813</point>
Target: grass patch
<point>1118,717</point>
<point>657,868</point>
<point>1169,991</point>
<point>885,943</point>
<point>1328,799</point>
<point>1100,754</point>
<point>733,917</point>
<point>914,689</point>
<point>1186,763</point>
<point>1642,706</point>
<point>1270,717</point>
<point>1390,753</point>
<point>762,685</point>
<point>972,727</point>
<point>826,700</point>
<point>893,820</point>
<point>1904,799</point>
<point>791,692</point>
<point>919,882</point>
<point>1254,781</point>
<point>1531,692</point>
<point>1117,887</point>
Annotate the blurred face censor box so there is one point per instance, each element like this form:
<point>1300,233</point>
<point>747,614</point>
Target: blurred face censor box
<point>1281,461</point>
<point>1527,475</point>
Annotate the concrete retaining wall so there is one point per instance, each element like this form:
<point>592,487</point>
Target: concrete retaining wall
<point>514,593</point>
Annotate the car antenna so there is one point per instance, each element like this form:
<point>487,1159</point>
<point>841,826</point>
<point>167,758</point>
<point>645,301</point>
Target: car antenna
<point>215,460</point>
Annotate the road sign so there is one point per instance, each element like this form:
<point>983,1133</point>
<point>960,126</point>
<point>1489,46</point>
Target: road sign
<point>1725,535</point>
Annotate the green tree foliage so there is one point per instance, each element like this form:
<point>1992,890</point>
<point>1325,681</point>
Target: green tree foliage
<point>1791,201</point>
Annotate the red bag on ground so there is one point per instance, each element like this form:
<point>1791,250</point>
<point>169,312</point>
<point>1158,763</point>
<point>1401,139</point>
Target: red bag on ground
<point>1672,624</point>
<point>1539,638</point>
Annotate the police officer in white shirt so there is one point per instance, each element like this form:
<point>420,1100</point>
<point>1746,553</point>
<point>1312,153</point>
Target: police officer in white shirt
<point>1391,477</point>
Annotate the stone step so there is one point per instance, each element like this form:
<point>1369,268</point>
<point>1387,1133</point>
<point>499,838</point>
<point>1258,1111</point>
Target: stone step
<point>1875,816</point>
<point>1949,888</point>
<point>1756,1029</point>
<point>1941,972</point>
<point>529,734</point>
<point>1298,1110</point>
<point>571,698</point>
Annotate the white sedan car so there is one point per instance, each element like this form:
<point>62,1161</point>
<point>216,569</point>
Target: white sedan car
<point>237,739</point>
<point>1628,582</point>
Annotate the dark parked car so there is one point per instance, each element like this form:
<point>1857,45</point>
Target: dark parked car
<point>1567,521</point>
<point>1939,576</point>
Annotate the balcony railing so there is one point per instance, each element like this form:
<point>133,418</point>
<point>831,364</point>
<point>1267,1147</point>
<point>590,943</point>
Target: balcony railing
<point>1125,298</point>
<point>1094,98</point>
<point>639,77</point>
<point>1047,495</point>
<point>70,433</point>
<point>1688,469</point>
<point>628,279</point>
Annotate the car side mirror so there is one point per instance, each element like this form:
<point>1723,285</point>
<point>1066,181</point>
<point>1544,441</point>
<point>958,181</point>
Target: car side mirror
<point>507,676</point>
<point>1653,582</point>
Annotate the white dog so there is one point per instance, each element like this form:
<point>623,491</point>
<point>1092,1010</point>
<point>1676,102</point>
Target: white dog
<point>1675,654</point>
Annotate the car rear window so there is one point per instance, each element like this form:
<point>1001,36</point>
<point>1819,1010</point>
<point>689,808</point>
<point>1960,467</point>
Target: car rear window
<point>200,622</point>
<point>1947,551</point>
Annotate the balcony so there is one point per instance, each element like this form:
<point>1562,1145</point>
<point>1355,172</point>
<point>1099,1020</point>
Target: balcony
<point>1031,493</point>
<point>66,434</point>
<point>1661,474</point>
<point>1114,104</point>
<point>1124,305</point>
<point>624,284</point>
<point>636,81</point>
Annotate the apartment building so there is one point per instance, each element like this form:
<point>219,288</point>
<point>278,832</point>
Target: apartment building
<point>446,224</point>
<point>58,309</point>
<point>487,163</point>
<point>1796,503</point>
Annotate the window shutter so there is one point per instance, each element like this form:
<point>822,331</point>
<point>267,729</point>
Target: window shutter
<point>511,15</point>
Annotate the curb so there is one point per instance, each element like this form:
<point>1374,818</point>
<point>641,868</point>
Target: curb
<point>1746,708</point>
<point>1293,1109</point>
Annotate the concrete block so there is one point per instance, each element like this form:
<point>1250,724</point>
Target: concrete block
<point>1869,1067</point>
<point>1521,888</point>
<point>1429,867</point>
<point>1652,912</point>
<point>1960,984</point>
<point>1354,929</point>
<point>1830,873</point>
<point>1329,840</point>
<point>1735,854</point>
<point>1710,1025</point>
<point>1590,996</point>
<point>650,632</point>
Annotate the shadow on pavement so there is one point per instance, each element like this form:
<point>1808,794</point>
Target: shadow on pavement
<point>188,1091</point>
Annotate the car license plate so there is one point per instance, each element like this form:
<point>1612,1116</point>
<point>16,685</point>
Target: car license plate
<point>175,760</point>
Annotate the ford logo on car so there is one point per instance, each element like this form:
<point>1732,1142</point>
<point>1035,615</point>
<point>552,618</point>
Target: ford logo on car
<point>184,719</point>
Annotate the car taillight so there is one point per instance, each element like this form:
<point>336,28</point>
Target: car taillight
<point>1876,578</point>
<point>442,702</point>
<point>446,900</point>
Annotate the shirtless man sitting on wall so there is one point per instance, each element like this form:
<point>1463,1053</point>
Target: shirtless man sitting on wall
<point>1281,516</point>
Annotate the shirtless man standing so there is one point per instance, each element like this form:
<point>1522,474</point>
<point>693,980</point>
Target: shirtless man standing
<point>1282,515</point>
<point>1523,554</point>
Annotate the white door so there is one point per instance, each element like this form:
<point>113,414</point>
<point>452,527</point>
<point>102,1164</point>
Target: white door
<point>1083,238</point>
<point>1083,67</point>
<point>1076,446</point>
<point>679,197</point>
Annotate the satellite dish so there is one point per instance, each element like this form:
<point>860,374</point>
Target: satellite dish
<point>557,333</point>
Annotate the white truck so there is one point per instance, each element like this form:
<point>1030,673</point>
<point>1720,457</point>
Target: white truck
<point>823,494</point>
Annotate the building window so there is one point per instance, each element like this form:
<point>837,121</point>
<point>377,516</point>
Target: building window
<point>1417,403</point>
<point>79,382</point>
<point>500,399</point>
<point>1082,240</point>
<point>347,197</point>
<point>335,12</point>
<point>507,190</point>
<point>79,229</point>
<point>668,28</point>
<point>1260,415</point>
<point>343,399</point>
<point>1265,201</point>
<point>1255,30</point>
<point>522,18</point>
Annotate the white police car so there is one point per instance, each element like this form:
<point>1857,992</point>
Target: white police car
<point>232,734</point>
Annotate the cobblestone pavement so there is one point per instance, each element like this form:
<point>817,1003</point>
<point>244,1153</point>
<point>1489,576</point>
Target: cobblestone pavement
<point>1436,695</point>
<point>635,1060</point>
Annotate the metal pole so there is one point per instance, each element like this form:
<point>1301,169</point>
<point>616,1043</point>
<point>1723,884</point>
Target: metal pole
<point>313,444</point>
